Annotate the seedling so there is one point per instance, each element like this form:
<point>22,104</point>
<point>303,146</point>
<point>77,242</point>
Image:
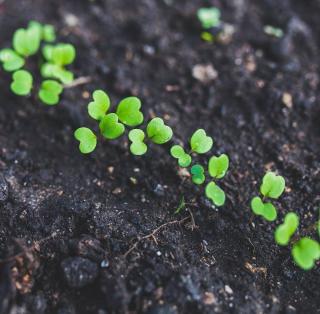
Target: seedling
<point>285,231</point>
<point>215,194</point>
<point>45,32</point>
<point>87,139</point>
<point>138,147</point>
<point>218,166</point>
<point>158,132</point>
<point>305,252</point>
<point>184,159</point>
<point>273,31</point>
<point>26,42</point>
<point>99,106</point>
<point>209,17</point>
<point>129,112</point>
<point>197,172</point>
<point>272,187</point>
<point>11,60</point>
<point>50,92</point>
<point>110,127</point>
<point>22,83</point>
<point>201,143</point>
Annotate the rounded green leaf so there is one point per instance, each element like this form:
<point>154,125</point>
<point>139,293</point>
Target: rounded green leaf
<point>209,17</point>
<point>306,252</point>
<point>158,132</point>
<point>48,33</point>
<point>11,60</point>
<point>26,42</point>
<point>110,127</point>
<point>272,185</point>
<point>63,54</point>
<point>200,142</point>
<point>285,231</point>
<point>215,194</point>
<point>129,112</point>
<point>87,139</point>
<point>266,210</point>
<point>184,160</point>
<point>138,147</point>
<point>197,172</point>
<point>47,51</point>
<point>50,91</point>
<point>22,82</point>
<point>99,106</point>
<point>51,70</point>
<point>218,166</point>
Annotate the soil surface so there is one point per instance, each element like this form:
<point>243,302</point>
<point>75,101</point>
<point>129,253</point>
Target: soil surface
<point>79,215</point>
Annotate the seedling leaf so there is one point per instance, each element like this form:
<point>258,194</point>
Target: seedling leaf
<point>272,185</point>
<point>22,82</point>
<point>26,42</point>
<point>129,112</point>
<point>209,17</point>
<point>218,166</point>
<point>11,60</point>
<point>63,54</point>
<point>184,160</point>
<point>305,252</point>
<point>198,176</point>
<point>87,139</point>
<point>285,231</point>
<point>266,210</point>
<point>110,127</point>
<point>215,194</point>
<point>99,106</point>
<point>50,91</point>
<point>200,142</point>
<point>158,132</point>
<point>138,147</point>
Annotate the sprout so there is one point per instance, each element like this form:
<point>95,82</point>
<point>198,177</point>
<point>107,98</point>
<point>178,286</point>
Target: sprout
<point>22,82</point>
<point>184,159</point>
<point>273,31</point>
<point>50,70</point>
<point>218,166</point>
<point>158,132</point>
<point>272,185</point>
<point>215,193</point>
<point>50,91</point>
<point>129,112</point>
<point>48,33</point>
<point>209,17</point>
<point>200,142</point>
<point>110,127</point>
<point>99,106</point>
<point>198,176</point>
<point>285,231</point>
<point>11,60</point>
<point>63,54</point>
<point>138,147</point>
<point>266,210</point>
<point>87,139</point>
<point>26,42</point>
<point>305,252</point>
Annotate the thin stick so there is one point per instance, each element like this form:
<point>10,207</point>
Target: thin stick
<point>153,234</point>
<point>79,81</point>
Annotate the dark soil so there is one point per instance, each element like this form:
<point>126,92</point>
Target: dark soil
<point>85,216</point>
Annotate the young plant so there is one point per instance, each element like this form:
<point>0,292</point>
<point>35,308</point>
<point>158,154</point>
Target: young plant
<point>285,231</point>
<point>138,146</point>
<point>184,159</point>
<point>21,83</point>
<point>272,187</point>
<point>201,143</point>
<point>209,17</point>
<point>87,139</point>
<point>11,61</point>
<point>50,92</point>
<point>306,252</point>
<point>197,172</point>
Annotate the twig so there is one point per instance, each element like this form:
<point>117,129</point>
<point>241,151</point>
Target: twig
<point>79,81</point>
<point>153,234</point>
<point>28,249</point>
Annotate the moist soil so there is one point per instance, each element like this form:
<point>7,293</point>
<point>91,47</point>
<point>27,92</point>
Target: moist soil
<point>67,220</point>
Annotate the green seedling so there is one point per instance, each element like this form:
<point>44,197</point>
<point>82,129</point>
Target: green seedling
<point>272,185</point>
<point>218,166</point>
<point>266,210</point>
<point>158,132</point>
<point>215,194</point>
<point>21,83</point>
<point>200,143</point>
<point>49,70</point>
<point>63,54</point>
<point>45,32</point>
<point>285,231</point>
<point>87,139</point>
<point>11,60</point>
<point>99,106</point>
<point>209,17</point>
<point>206,36</point>
<point>273,31</point>
<point>110,127</point>
<point>197,172</point>
<point>138,147</point>
<point>50,92</point>
<point>129,112</point>
<point>306,252</point>
<point>26,42</point>
<point>184,159</point>
<point>181,206</point>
